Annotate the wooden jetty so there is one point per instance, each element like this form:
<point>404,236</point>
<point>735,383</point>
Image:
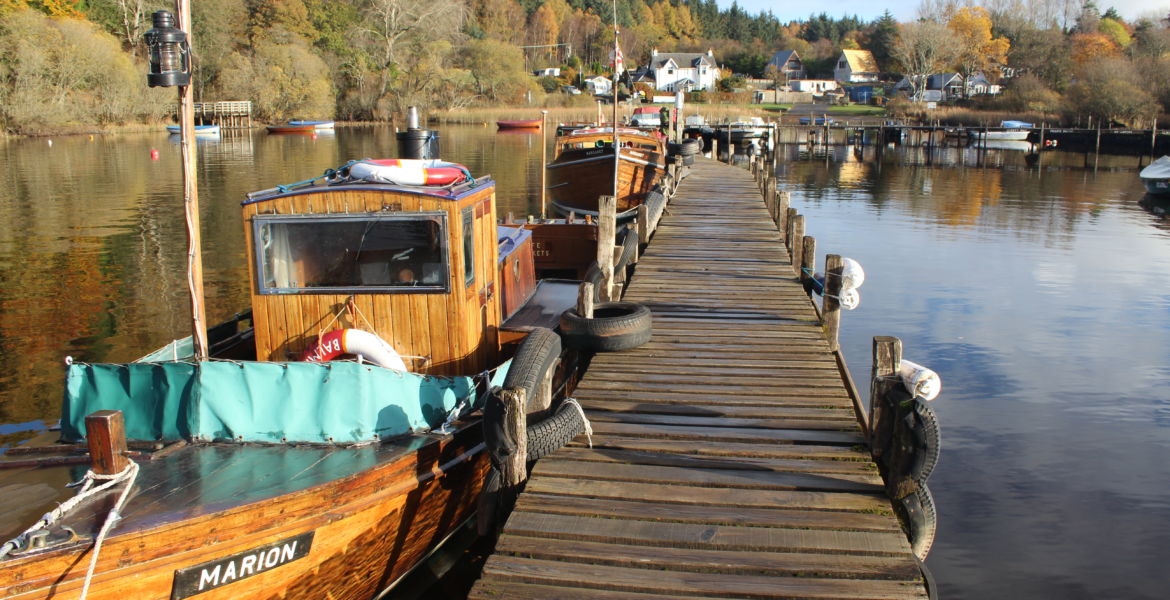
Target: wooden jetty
<point>729,456</point>
<point>228,115</point>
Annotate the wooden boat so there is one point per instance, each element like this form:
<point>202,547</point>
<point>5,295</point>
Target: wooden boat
<point>283,473</point>
<point>199,129</point>
<point>1156,177</point>
<point>583,169</point>
<point>317,125</point>
<point>290,128</point>
<point>520,124</point>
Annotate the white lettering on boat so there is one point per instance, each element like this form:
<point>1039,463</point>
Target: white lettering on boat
<point>212,574</point>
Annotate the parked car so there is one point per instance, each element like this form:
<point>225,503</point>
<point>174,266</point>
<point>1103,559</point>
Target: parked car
<point>571,90</point>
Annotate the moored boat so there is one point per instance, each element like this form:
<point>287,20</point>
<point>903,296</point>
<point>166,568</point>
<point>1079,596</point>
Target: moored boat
<point>316,124</point>
<point>519,124</point>
<point>1156,177</point>
<point>1008,131</point>
<point>199,129</point>
<point>583,169</point>
<point>285,471</point>
<point>290,128</point>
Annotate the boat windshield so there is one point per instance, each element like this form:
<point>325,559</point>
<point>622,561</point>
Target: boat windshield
<point>352,253</point>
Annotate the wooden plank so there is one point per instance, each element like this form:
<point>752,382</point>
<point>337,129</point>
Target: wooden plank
<point>744,479</point>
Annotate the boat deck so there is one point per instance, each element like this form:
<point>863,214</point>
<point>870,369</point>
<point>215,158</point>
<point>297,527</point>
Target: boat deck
<point>726,458</point>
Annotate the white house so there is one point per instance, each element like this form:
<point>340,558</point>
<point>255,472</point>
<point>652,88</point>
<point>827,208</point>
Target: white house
<point>682,71</point>
<point>856,66</point>
<point>597,85</point>
<point>816,86</point>
<point>549,72</point>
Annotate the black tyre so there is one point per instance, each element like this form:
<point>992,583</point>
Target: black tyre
<point>615,326</point>
<point>921,519</point>
<point>629,246</point>
<point>655,201</point>
<point>551,434</point>
<point>690,147</point>
<point>688,160</point>
<point>927,441</point>
<point>673,149</point>
<point>593,275</point>
<point>533,369</point>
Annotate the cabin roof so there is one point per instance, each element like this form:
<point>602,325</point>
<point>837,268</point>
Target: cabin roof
<point>453,192</point>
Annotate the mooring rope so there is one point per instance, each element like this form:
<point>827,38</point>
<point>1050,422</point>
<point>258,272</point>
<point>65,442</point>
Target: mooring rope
<point>88,490</point>
<point>585,420</point>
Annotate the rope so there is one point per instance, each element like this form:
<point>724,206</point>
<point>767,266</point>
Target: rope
<point>87,491</point>
<point>129,473</point>
<point>585,420</point>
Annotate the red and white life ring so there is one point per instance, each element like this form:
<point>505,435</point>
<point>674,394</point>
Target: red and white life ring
<point>368,346</point>
<point>407,171</point>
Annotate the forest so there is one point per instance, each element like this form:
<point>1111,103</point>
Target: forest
<point>72,65</point>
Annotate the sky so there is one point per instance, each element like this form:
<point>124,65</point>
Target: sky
<point>906,10</point>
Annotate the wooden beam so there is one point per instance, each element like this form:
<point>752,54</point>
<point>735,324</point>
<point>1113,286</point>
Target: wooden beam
<point>105,432</point>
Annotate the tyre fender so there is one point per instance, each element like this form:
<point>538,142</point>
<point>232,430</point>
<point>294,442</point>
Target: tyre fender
<point>927,441</point>
<point>921,520</point>
<point>615,326</point>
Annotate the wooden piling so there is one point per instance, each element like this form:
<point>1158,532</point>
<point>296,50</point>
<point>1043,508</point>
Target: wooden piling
<point>789,240</point>
<point>782,201</point>
<point>887,357</point>
<point>585,300</point>
<point>105,433</point>
<point>797,242</point>
<point>808,258</point>
<point>831,307</point>
<point>606,230</point>
<point>515,468</point>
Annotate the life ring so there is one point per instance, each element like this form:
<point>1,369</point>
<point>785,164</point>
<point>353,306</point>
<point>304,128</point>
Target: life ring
<point>405,171</point>
<point>368,346</point>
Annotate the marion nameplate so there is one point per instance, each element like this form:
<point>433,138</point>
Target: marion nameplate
<point>222,571</point>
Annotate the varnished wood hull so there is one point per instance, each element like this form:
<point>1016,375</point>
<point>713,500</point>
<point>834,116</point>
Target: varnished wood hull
<point>576,180</point>
<point>369,525</point>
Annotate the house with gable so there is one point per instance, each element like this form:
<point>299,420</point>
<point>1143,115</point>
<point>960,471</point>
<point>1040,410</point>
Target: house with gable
<point>949,86</point>
<point>856,66</point>
<point>682,71</point>
<point>788,64</point>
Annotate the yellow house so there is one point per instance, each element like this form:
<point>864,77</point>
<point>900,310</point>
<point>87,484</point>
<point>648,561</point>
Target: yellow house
<point>856,66</point>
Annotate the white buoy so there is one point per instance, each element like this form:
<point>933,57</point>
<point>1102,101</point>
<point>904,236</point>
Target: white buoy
<point>850,299</point>
<point>920,381</point>
<point>852,275</point>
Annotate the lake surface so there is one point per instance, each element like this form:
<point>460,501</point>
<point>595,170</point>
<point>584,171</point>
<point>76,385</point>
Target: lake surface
<point>1037,291</point>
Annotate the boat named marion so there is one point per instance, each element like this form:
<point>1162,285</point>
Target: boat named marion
<point>335,437</point>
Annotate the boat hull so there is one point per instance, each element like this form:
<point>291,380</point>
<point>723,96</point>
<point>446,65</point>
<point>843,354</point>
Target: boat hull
<point>523,124</point>
<point>348,537</point>
<point>291,128</point>
<point>1015,136</point>
<point>1157,187</point>
<point>316,124</point>
<point>577,179</point>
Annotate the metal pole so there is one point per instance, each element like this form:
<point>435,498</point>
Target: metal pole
<point>191,199</point>
<point>617,147</point>
<point>543,162</point>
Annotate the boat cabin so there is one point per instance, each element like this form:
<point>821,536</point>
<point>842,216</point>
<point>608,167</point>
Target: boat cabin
<point>415,265</point>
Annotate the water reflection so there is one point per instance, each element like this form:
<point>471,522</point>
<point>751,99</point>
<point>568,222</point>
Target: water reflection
<point>1040,298</point>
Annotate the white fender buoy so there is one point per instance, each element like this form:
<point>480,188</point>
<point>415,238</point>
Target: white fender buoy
<point>852,275</point>
<point>850,299</point>
<point>920,381</point>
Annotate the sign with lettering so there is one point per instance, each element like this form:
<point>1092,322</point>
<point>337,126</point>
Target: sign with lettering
<point>222,571</point>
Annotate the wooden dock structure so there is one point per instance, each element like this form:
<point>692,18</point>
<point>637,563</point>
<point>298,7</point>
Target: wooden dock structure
<point>727,456</point>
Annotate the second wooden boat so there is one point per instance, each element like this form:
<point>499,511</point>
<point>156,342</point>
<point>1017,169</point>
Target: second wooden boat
<point>583,169</point>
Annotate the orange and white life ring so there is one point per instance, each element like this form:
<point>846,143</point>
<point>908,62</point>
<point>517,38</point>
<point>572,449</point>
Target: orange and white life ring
<point>406,171</point>
<point>364,344</point>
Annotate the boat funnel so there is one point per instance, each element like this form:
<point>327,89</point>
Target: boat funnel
<point>416,142</point>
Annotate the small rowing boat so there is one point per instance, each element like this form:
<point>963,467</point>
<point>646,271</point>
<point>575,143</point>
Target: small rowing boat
<point>520,124</point>
<point>199,129</point>
<point>290,128</point>
<point>315,124</point>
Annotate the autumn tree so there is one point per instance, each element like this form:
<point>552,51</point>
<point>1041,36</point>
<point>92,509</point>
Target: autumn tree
<point>923,47</point>
<point>1088,48</point>
<point>543,30</point>
<point>1111,90</point>
<point>977,51</point>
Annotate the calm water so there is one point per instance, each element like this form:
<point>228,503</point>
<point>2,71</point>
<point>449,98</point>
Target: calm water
<point>1039,295</point>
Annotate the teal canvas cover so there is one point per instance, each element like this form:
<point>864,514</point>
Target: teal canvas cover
<point>293,402</point>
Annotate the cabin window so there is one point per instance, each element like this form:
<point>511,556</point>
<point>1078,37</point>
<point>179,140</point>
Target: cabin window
<point>351,253</point>
<point>469,246</point>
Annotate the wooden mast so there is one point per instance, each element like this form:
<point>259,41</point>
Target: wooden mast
<point>617,63</point>
<point>543,163</point>
<point>191,199</point>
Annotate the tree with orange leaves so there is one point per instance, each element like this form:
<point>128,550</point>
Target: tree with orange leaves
<point>1092,47</point>
<point>978,51</point>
